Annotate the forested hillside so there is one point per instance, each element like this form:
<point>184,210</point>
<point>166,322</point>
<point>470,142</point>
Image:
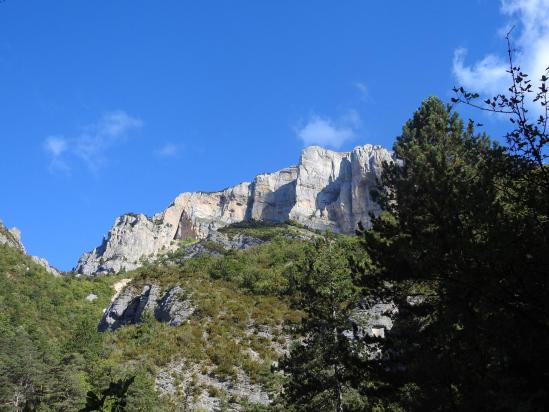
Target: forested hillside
<point>53,357</point>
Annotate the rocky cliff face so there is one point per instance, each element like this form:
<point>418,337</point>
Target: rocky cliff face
<point>326,190</point>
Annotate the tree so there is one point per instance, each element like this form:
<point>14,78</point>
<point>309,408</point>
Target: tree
<point>321,367</point>
<point>111,399</point>
<point>452,236</point>
<point>22,371</point>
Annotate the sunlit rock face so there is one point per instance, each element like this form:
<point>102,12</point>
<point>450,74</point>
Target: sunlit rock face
<point>327,190</point>
<point>333,188</point>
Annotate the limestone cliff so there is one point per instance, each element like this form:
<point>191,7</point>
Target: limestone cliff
<point>326,190</point>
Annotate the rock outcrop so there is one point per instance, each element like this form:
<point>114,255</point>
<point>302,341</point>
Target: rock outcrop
<point>128,306</point>
<point>326,190</point>
<point>221,242</point>
<point>178,377</point>
<point>46,265</point>
<point>12,238</point>
<point>374,320</point>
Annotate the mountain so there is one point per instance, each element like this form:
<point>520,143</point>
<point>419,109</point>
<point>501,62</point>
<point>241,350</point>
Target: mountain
<point>201,326</point>
<point>204,324</point>
<point>327,190</point>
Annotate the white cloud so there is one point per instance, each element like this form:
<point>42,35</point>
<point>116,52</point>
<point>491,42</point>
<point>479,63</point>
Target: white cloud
<point>530,39</point>
<point>55,145</point>
<point>488,75</point>
<point>116,124</point>
<point>325,132</point>
<point>168,150</point>
<point>92,144</point>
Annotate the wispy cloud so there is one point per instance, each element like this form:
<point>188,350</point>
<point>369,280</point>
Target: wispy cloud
<point>55,145</point>
<point>168,150</point>
<point>531,21</point>
<point>115,125</point>
<point>92,145</point>
<point>362,89</point>
<point>324,131</point>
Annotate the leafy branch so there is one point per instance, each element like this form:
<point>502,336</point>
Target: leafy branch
<point>528,138</point>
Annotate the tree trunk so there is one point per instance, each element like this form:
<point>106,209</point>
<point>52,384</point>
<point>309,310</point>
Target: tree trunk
<point>337,374</point>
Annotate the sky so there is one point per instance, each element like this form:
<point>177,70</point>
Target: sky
<point>108,107</point>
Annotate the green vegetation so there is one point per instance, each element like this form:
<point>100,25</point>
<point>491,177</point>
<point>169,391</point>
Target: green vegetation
<point>47,334</point>
<point>265,269</point>
<point>268,230</point>
<point>53,358</point>
<point>466,230</point>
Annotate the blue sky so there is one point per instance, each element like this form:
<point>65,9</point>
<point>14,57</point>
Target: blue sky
<point>116,106</point>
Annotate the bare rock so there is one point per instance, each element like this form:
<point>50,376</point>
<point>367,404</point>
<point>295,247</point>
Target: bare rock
<point>91,297</point>
<point>374,320</point>
<point>128,307</point>
<point>178,377</point>
<point>11,237</point>
<point>46,265</point>
<point>174,307</point>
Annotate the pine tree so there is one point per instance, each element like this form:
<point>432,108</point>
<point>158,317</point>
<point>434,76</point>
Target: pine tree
<point>452,237</point>
<point>321,367</point>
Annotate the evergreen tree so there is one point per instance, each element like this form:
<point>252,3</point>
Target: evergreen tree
<point>321,368</point>
<point>475,259</point>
